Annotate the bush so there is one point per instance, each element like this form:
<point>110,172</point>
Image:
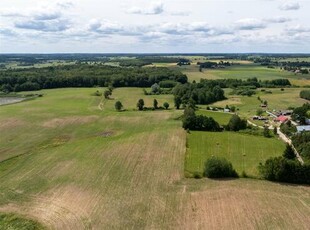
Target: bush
<point>284,170</point>
<point>118,106</point>
<point>305,94</point>
<point>166,105</point>
<point>167,84</point>
<point>289,152</point>
<point>140,104</point>
<point>197,175</point>
<point>236,123</point>
<point>217,167</point>
<point>193,122</point>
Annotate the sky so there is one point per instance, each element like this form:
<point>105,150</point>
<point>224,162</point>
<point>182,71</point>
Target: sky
<point>166,26</point>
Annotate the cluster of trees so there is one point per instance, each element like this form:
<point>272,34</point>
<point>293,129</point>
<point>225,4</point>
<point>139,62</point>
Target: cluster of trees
<point>84,75</point>
<point>217,167</point>
<point>118,106</point>
<point>288,128</point>
<point>183,61</point>
<point>107,93</point>
<point>244,91</point>
<point>252,83</point>
<point>31,59</point>
<point>305,94</point>
<point>286,65</point>
<point>210,64</point>
<point>285,170</point>
<point>296,64</point>
<point>301,141</point>
<point>147,60</point>
<point>140,105</point>
<point>301,114</point>
<point>197,93</point>
<point>191,121</point>
<point>160,59</point>
<point>294,69</point>
<point>236,123</point>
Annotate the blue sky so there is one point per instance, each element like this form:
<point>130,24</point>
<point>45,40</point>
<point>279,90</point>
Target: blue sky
<point>135,26</point>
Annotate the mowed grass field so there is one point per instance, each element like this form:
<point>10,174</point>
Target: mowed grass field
<point>244,71</point>
<point>70,165</point>
<point>220,117</point>
<point>277,100</point>
<point>243,151</point>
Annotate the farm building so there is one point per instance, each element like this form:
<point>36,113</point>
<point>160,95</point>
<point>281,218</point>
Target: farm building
<point>286,112</point>
<point>281,119</point>
<point>302,128</point>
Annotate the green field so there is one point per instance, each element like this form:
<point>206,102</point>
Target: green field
<point>69,164</point>
<point>220,117</point>
<point>244,71</point>
<point>13,222</point>
<point>243,151</point>
<point>277,100</point>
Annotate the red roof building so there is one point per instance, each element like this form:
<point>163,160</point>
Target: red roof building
<point>282,119</point>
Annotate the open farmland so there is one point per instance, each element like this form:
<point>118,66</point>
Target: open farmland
<point>243,151</point>
<point>244,71</point>
<point>277,99</point>
<point>221,118</point>
<point>70,165</point>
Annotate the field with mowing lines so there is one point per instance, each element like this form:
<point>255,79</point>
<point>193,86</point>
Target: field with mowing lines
<point>243,151</point>
<point>244,71</point>
<point>221,118</point>
<point>70,165</point>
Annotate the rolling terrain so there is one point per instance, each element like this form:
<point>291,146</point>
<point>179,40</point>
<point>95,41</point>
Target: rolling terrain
<point>71,165</point>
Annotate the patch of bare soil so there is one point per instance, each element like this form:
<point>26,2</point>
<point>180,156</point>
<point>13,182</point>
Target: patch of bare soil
<point>72,120</point>
<point>106,134</point>
<point>67,208</point>
<point>238,208</point>
<point>10,123</point>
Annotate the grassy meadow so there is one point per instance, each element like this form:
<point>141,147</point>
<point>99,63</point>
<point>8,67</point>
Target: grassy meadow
<point>69,163</point>
<point>277,100</point>
<point>244,70</point>
<point>221,118</point>
<point>243,151</point>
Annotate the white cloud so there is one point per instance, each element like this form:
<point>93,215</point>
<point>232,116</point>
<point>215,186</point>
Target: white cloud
<point>289,6</point>
<point>180,13</point>
<point>250,24</point>
<point>55,23</point>
<point>43,25</point>
<point>298,29</point>
<point>154,8</point>
<point>278,19</point>
<point>104,26</point>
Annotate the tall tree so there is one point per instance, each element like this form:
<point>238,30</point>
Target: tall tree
<point>166,105</point>
<point>118,106</point>
<point>289,152</point>
<point>140,104</point>
<point>155,104</point>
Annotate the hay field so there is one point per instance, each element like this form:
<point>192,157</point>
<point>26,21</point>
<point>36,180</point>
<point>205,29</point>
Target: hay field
<point>69,165</point>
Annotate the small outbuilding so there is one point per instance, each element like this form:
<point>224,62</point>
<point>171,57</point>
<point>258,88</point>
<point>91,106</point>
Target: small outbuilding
<point>303,128</point>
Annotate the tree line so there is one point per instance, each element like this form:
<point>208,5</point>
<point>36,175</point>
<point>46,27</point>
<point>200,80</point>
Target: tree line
<point>285,169</point>
<point>205,92</point>
<point>84,75</point>
<point>305,94</point>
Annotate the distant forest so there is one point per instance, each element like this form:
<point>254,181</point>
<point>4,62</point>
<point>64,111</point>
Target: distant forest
<point>84,75</point>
